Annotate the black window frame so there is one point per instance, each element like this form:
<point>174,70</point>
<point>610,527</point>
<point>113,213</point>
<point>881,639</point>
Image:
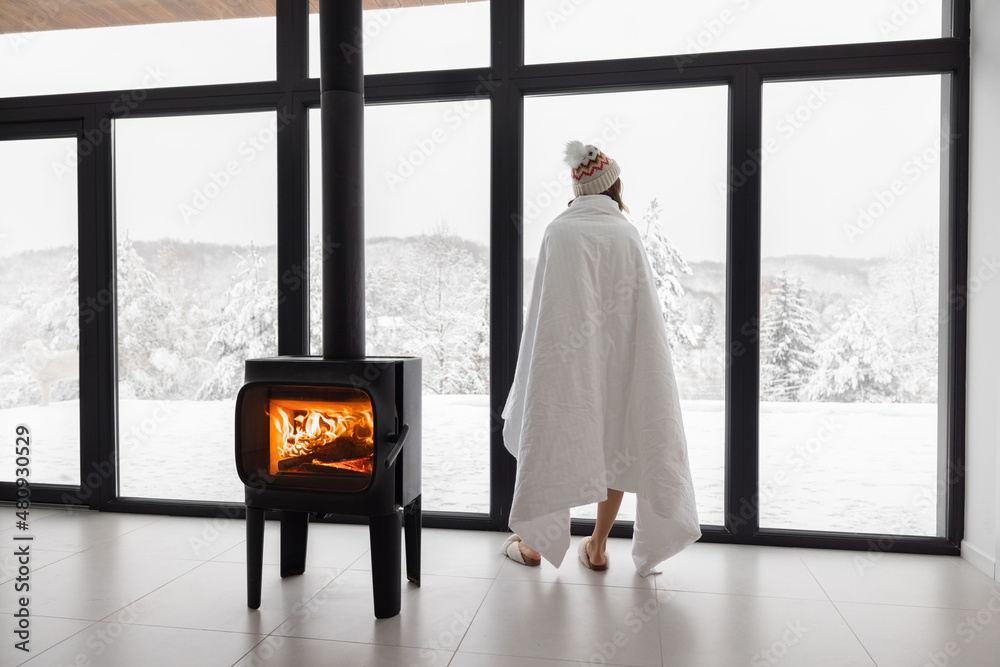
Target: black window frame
<point>506,82</point>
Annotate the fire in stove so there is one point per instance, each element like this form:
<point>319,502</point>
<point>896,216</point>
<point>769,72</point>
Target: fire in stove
<point>313,437</point>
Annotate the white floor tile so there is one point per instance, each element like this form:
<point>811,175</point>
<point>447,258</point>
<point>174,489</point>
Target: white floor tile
<point>37,559</point>
<point>328,545</point>
<point>226,609</point>
<point>36,512</point>
<point>740,570</point>
<point>620,572</point>
<point>894,578</point>
<point>44,633</point>
<point>277,651</point>
<point>116,645</point>
<point>485,660</point>
<point>567,622</point>
<point>717,629</point>
<point>78,530</point>
<point>172,591</point>
<point>434,616</point>
<point>453,553</point>
<point>919,636</point>
<point>91,586</point>
<point>187,538</point>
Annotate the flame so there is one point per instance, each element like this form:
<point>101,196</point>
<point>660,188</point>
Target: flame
<point>313,429</point>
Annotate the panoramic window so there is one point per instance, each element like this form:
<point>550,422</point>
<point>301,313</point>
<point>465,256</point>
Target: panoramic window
<point>420,38</point>
<point>196,208</point>
<point>427,260</point>
<point>39,305</point>
<point>671,146</point>
<point>565,30</point>
<point>850,304</point>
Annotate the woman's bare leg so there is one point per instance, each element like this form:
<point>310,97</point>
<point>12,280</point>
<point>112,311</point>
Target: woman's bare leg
<point>527,551</point>
<point>607,512</point>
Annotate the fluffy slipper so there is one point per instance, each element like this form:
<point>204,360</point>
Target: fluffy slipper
<point>513,552</point>
<point>585,559</point>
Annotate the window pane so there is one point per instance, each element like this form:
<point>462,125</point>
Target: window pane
<point>39,311</point>
<point>413,39</point>
<point>427,259</point>
<point>672,147</point>
<point>850,294</point>
<point>564,30</point>
<point>196,201</point>
<point>138,57</point>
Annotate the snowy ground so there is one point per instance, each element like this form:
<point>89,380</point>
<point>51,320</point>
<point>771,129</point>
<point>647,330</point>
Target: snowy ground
<point>824,466</point>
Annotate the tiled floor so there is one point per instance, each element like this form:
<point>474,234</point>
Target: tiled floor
<point>144,591</point>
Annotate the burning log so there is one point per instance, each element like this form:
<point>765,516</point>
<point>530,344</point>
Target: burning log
<point>341,449</point>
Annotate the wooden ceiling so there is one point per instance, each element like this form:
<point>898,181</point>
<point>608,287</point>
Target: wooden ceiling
<point>34,16</point>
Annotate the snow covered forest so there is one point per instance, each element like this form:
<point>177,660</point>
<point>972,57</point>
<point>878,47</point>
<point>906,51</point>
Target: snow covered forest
<point>831,329</point>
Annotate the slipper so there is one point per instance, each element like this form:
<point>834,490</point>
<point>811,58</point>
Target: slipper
<point>585,559</point>
<point>513,552</point>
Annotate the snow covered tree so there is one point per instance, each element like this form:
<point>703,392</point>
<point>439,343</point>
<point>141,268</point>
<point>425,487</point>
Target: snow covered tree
<point>316,295</point>
<point>391,297</point>
<point>857,364</point>
<point>147,362</point>
<point>668,265</point>
<point>247,327</point>
<point>453,288</point>
<point>709,323</point>
<point>787,347</point>
<point>906,289</point>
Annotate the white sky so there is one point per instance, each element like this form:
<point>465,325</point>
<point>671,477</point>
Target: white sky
<point>670,144</point>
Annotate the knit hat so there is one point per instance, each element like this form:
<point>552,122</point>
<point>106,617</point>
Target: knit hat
<point>593,171</point>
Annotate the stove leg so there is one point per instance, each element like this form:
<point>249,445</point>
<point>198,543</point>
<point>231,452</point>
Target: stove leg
<point>294,538</point>
<point>255,555</point>
<point>411,532</point>
<point>384,534</point>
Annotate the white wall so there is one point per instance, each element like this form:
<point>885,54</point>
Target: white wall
<point>981,545</point>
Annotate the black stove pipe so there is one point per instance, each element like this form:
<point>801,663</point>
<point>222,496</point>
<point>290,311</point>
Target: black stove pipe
<point>342,90</point>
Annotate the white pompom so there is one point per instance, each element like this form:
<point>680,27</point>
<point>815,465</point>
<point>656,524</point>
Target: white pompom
<point>577,153</point>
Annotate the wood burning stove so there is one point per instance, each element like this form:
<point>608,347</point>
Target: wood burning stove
<point>335,437</point>
<point>338,434</point>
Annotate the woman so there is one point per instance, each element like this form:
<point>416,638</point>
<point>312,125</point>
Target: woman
<point>594,410</point>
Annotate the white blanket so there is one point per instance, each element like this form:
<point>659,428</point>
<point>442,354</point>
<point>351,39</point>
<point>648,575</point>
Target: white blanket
<point>594,404</point>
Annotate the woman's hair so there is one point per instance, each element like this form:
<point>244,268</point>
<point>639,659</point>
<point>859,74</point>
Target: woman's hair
<point>615,192</point>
